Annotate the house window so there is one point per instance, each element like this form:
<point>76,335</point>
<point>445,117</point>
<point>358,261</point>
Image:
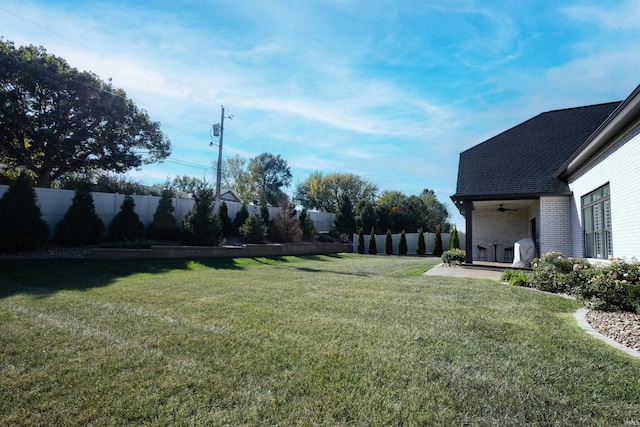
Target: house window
<point>596,215</point>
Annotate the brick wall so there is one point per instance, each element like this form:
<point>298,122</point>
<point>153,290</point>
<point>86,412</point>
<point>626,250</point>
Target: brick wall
<point>503,228</point>
<point>619,166</point>
<point>555,225</point>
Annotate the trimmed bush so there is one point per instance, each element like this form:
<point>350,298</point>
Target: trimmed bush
<point>373,250</point>
<point>454,240</point>
<point>264,212</point>
<point>80,225</point>
<point>402,246</point>
<point>437,243</point>
<point>254,230</point>
<point>613,287</point>
<point>21,224</point>
<point>388,243</point>
<point>126,225</point>
<point>421,247</point>
<point>558,274</point>
<point>164,225</point>
<point>361,241</point>
<point>454,257</point>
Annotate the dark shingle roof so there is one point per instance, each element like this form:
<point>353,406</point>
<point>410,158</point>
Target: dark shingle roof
<point>522,160</point>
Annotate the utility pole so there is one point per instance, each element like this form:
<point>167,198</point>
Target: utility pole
<point>218,130</point>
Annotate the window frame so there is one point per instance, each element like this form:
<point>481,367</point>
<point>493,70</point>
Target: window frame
<point>596,223</point>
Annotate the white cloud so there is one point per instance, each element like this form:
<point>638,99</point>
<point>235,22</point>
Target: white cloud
<point>623,15</point>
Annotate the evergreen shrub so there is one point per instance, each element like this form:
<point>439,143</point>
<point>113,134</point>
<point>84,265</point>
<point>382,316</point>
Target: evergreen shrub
<point>361,241</point>
<point>80,225</point>
<point>388,243</point>
<point>164,225</point>
<point>126,225</point>
<point>200,226</point>
<point>21,224</point>
<point>373,250</point>
<point>437,243</point>
<point>402,246</point>
<point>254,230</point>
<point>421,247</point>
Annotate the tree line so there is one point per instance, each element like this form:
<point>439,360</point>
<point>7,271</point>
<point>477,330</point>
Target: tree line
<point>63,128</point>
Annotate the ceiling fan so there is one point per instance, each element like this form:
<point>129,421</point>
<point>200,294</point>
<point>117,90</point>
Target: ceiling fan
<point>503,209</point>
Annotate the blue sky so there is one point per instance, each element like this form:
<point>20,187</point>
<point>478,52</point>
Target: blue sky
<point>392,91</point>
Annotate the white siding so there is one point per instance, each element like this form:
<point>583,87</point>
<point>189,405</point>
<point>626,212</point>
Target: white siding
<point>619,166</point>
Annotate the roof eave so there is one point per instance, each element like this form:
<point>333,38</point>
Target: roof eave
<point>617,123</point>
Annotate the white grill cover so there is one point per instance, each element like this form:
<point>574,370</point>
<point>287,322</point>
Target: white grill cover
<point>524,251</point>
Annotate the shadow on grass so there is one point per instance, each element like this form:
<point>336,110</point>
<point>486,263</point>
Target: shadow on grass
<point>47,276</point>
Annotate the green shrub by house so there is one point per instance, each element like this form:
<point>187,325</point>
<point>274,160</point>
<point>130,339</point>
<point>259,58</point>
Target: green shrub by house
<point>361,241</point>
<point>437,243</point>
<point>21,224</point>
<point>126,224</point>
<point>200,226</point>
<point>164,225</point>
<point>402,246</point>
<point>254,230</point>
<point>373,250</point>
<point>80,225</point>
<point>453,257</point>
<point>421,247</point>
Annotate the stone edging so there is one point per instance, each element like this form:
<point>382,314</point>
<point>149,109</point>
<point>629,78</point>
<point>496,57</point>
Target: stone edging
<point>580,316</point>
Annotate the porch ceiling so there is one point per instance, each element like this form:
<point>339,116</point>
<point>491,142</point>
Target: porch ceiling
<point>494,205</point>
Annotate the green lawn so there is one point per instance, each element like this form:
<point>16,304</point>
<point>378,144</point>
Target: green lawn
<point>318,340</point>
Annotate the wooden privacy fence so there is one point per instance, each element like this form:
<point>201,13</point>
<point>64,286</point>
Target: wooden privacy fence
<point>54,204</point>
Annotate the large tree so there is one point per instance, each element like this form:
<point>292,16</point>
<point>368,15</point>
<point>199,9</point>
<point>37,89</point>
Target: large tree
<point>325,192</point>
<point>55,119</point>
<point>270,174</point>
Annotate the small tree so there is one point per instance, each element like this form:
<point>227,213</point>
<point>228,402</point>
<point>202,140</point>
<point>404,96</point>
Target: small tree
<point>21,224</point>
<point>264,212</point>
<point>421,248</point>
<point>285,226</point>
<point>373,250</point>
<point>126,225</point>
<point>437,243</point>
<point>402,246</point>
<point>307,225</point>
<point>240,218</point>
<point>164,225</point>
<point>361,241</point>
<point>80,225</point>
<point>254,230</point>
<point>345,220</point>
<point>227,224</point>
<point>200,226</point>
<point>454,241</point>
<point>388,243</point>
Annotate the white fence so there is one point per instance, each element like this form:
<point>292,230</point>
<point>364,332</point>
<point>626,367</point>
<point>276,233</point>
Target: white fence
<point>54,204</point>
<point>412,242</point>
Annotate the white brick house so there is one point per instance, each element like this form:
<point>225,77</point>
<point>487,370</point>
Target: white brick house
<point>569,179</point>
<point>607,166</point>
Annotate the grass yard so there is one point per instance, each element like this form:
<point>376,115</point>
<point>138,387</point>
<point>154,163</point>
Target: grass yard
<point>317,340</point>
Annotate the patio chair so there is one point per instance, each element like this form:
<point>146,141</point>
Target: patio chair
<point>482,253</point>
